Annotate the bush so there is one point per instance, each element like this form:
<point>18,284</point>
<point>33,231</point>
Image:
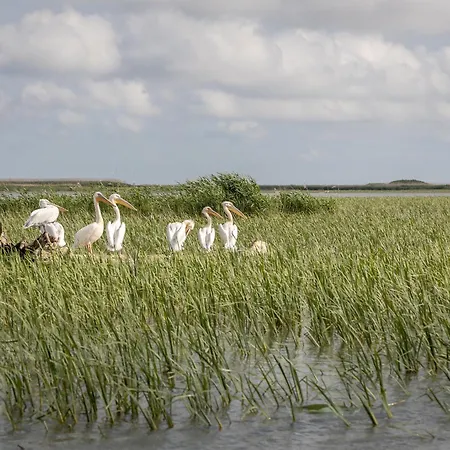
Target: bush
<point>300,202</point>
<point>244,192</point>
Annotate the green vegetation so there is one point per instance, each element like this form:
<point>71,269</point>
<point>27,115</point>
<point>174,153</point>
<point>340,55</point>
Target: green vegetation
<point>345,305</point>
<point>188,198</point>
<point>294,202</point>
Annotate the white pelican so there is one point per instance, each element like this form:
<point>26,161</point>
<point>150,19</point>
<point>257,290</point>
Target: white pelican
<point>258,247</point>
<point>56,231</point>
<point>177,233</point>
<point>115,231</point>
<point>92,232</point>
<point>48,212</point>
<point>206,235</point>
<point>228,231</point>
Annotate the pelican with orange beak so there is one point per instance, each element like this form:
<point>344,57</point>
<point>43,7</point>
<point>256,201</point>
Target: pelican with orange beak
<point>177,233</point>
<point>92,232</point>
<point>115,231</point>
<point>47,213</point>
<point>228,231</point>
<point>206,235</point>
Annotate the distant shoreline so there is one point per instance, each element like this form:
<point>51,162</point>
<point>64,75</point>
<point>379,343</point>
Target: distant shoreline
<point>73,184</point>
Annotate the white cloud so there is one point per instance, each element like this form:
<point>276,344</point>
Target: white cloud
<point>129,123</point>
<point>294,74</point>
<point>68,117</point>
<point>43,93</point>
<point>239,53</point>
<point>129,96</point>
<point>322,110</point>
<point>68,42</point>
<point>239,68</point>
<point>248,128</point>
<point>395,16</point>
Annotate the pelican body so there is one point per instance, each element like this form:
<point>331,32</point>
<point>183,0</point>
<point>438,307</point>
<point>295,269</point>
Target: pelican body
<point>48,212</point>
<point>228,231</point>
<point>92,232</point>
<point>177,233</point>
<point>206,235</point>
<point>55,231</point>
<point>115,231</point>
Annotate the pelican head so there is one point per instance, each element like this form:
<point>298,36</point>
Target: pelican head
<point>228,205</point>
<point>44,203</point>
<point>208,211</point>
<point>117,199</point>
<point>189,225</point>
<point>99,197</point>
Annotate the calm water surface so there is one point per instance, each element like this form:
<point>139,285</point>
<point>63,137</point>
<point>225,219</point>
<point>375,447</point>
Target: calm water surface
<point>416,424</point>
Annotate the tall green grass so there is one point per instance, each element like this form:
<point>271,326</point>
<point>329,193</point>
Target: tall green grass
<point>345,305</point>
<point>186,198</point>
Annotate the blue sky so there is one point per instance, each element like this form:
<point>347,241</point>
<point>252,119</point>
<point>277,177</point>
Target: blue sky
<point>160,91</point>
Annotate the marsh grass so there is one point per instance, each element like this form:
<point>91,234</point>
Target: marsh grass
<point>344,306</point>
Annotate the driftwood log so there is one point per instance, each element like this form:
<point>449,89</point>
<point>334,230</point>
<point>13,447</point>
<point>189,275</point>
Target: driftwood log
<point>43,242</point>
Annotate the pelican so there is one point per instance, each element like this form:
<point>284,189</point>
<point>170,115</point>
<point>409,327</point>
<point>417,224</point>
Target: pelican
<point>228,231</point>
<point>55,231</point>
<point>115,231</point>
<point>258,247</point>
<point>48,212</point>
<point>177,233</point>
<point>206,235</point>
<point>92,232</point>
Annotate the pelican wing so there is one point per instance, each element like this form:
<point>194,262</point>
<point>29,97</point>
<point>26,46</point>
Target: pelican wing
<point>110,229</point>
<point>211,236</point>
<point>61,233</point>
<point>42,216</point>
<point>119,236</point>
<point>172,229</point>
<point>206,236</point>
<point>202,237</point>
<point>233,235</point>
<point>88,234</point>
<point>228,233</point>
<point>55,231</point>
<point>223,234</point>
<point>176,235</point>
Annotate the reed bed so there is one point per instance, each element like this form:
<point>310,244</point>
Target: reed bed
<point>347,304</point>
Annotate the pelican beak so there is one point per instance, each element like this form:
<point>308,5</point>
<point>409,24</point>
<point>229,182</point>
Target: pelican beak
<point>214,213</point>
<point>236,211</point>
<point>122,201</point>
<point>102,198</point>
<point>60,207</point>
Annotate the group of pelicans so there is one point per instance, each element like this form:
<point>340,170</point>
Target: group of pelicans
<point>45,218</point>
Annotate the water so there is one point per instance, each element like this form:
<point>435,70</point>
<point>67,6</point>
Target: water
<point>417,423</point>
<point>341,194</point>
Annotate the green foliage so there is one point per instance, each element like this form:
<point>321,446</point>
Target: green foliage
<point>244,192</point>
<point>301,202</point>
<point>152,335</point>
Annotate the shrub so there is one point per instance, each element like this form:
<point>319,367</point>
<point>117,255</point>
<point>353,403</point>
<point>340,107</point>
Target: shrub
<point>300,202</point>
<point>243,191</point>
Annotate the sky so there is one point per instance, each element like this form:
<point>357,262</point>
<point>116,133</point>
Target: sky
<point>285,91</point>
